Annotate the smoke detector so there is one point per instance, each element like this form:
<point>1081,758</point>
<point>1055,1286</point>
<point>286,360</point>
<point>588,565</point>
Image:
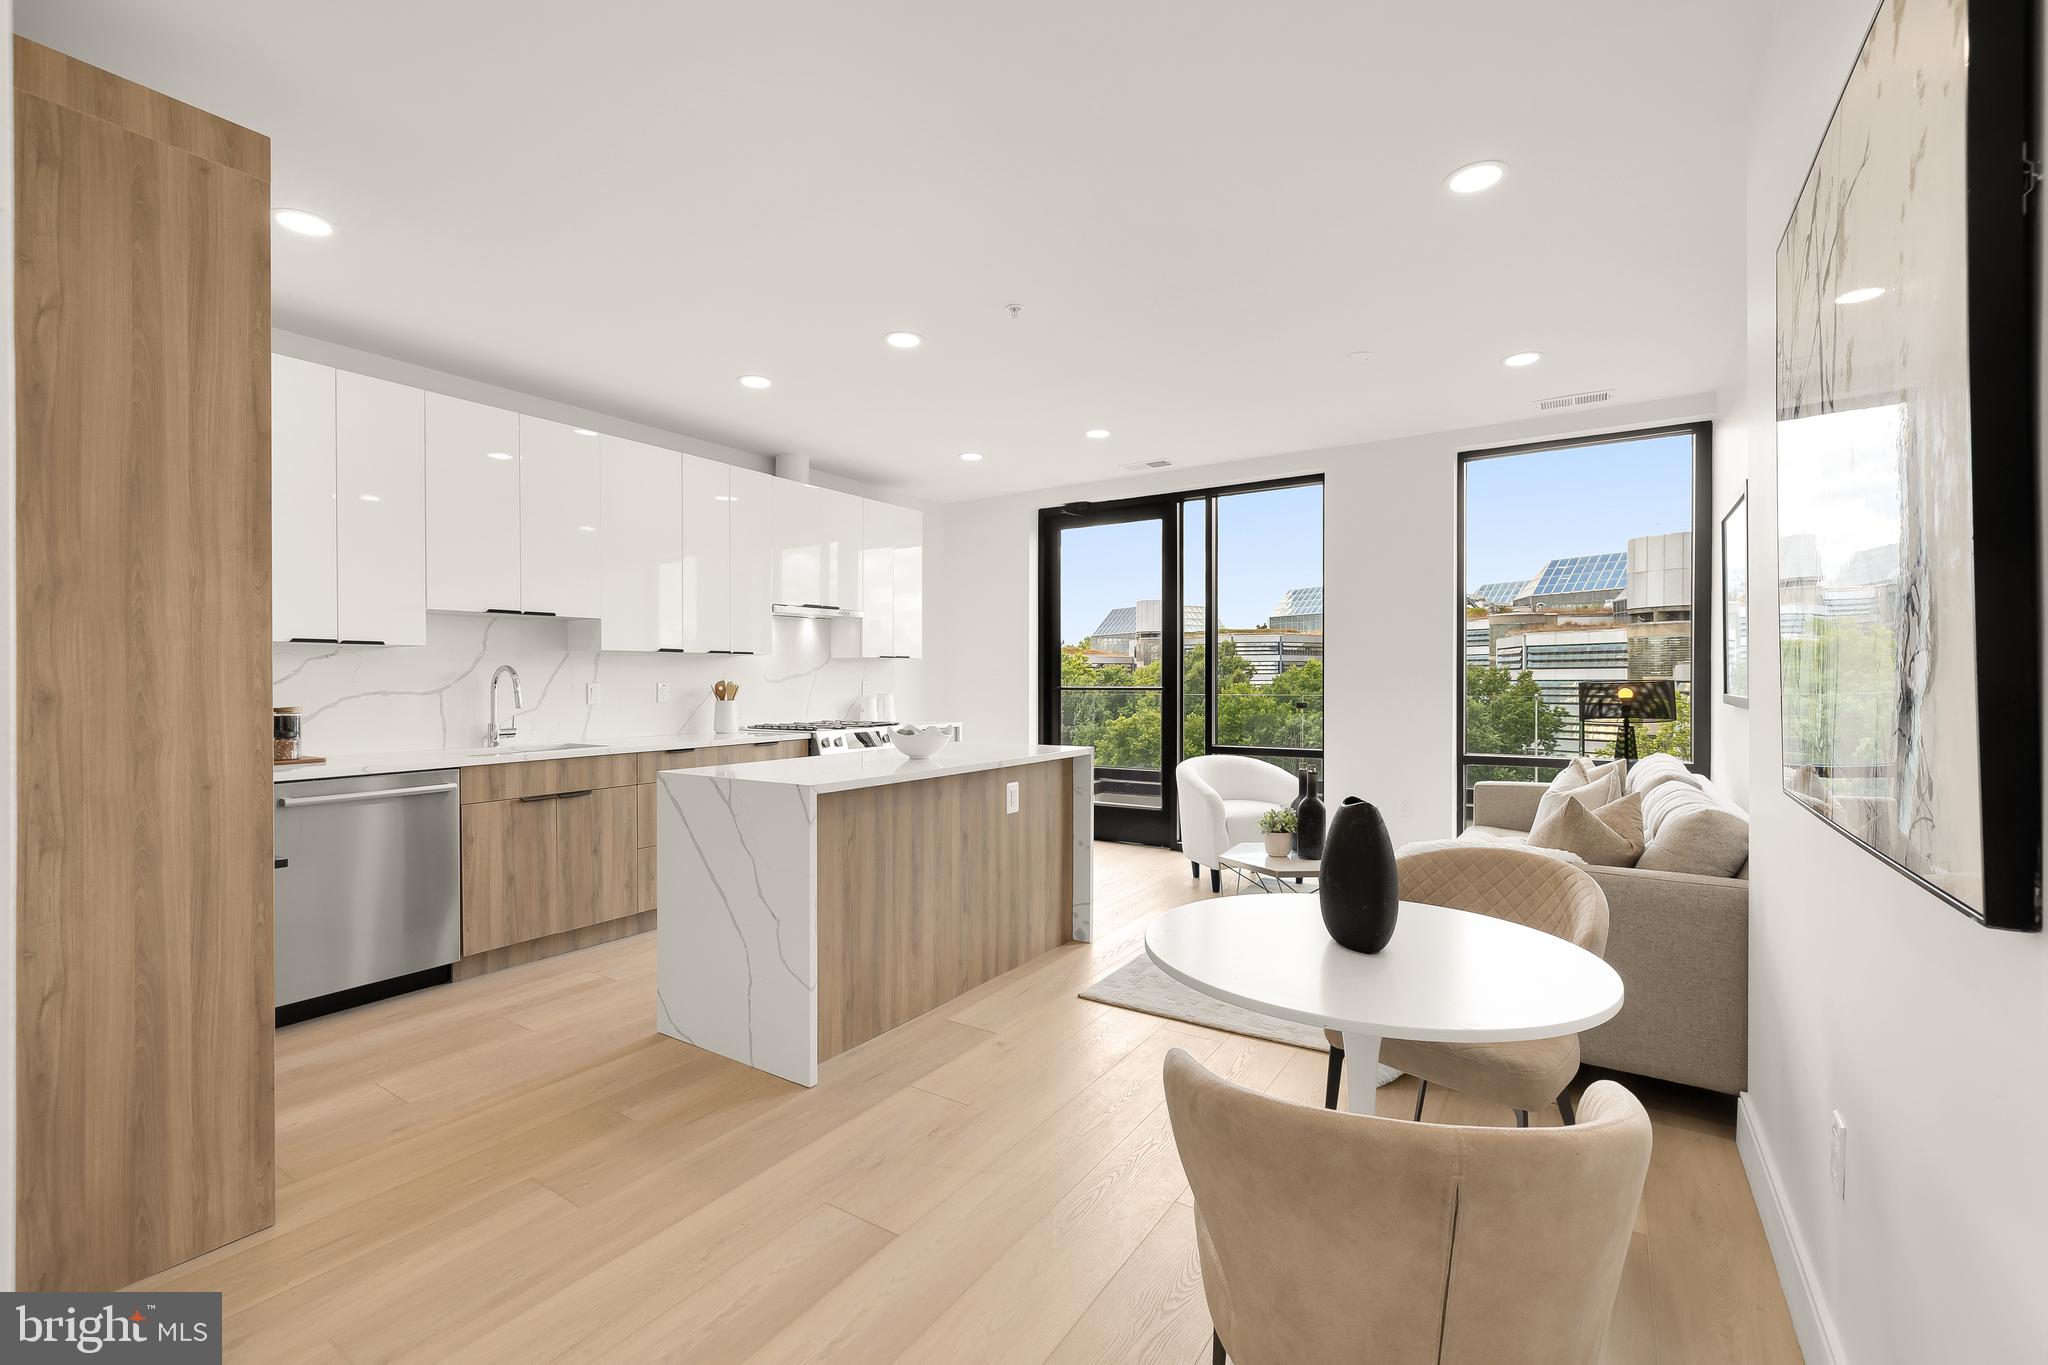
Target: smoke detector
<point>1574,400</point>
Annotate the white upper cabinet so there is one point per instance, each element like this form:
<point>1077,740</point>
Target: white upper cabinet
<point>706,579</point>
<point>839,549</point>
<point>302,503</point>
<point>799,544</point>
<point>559,497</point>
<point>641,549</point>
<point>472,506</point>
<point>891,624</point>
<point>380,478</point>
<point>752,562</point>
<point>908,607</point>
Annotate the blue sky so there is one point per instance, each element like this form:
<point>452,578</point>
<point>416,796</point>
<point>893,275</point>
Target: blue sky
<point>1521,510</point>
<point>1268,542</point>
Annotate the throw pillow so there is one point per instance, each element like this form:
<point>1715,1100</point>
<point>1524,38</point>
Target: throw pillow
<point>1568,780</point>
<point>1581,780</point>
<point>1648,772</point>
<point>1624,817</point>
<point>1688,831</point>
<point>1575,828</point>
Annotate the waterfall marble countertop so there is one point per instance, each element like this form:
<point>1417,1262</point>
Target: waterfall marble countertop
<point>878,767</point>
<point>423,760</point>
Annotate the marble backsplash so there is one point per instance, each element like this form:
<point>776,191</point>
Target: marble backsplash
<point>371,699</point>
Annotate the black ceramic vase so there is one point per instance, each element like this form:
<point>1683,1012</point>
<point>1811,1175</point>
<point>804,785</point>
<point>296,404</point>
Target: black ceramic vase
<point>1310,817</point>
<point>1360,888</point>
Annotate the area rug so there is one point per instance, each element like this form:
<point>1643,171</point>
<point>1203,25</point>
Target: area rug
<point>1140,986</point>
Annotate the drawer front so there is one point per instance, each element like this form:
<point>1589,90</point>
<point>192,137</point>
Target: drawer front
<point>547,864</point>
<point>545,777</point>
<point>650,764</point>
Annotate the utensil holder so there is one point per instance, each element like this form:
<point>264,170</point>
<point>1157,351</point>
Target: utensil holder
<point>725,717</point>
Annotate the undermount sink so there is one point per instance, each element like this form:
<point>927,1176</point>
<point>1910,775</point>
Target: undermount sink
<point>487,751</point>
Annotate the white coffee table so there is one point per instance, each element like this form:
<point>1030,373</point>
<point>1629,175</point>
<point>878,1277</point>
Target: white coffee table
<point>1255,867</point>
<point>1447,975</point>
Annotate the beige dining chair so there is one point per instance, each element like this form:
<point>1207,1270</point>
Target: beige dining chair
<point>1333,1237</point>
<point>1511,884</point>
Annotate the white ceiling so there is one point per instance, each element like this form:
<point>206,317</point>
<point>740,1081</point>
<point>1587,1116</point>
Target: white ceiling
<point>1202,207</point>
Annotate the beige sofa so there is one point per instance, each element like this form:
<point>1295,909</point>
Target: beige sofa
<point>1681,944</point>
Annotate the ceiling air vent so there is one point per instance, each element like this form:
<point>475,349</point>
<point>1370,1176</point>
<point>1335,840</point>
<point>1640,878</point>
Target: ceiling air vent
<point>1574,400</point>
<point>1147,464</point>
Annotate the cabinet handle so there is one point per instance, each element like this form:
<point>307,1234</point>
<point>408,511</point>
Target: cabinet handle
<point>556,796</point>
<point>313,640</point>
<point>276,863</point>
<point>503,611</point>
<point>739,651</point>
<point>362,642</point>
<point>536,613</point>
<point>671,649</point>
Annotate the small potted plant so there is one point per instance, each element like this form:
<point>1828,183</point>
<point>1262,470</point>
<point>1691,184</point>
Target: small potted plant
<point>1278,825</point>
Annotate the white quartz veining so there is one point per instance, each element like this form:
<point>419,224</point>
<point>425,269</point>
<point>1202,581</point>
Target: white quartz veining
<point>880,767</point>
<point>435,698</point>
<point>420,760</point>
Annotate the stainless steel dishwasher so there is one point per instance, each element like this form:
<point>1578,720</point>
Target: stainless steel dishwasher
<point>369,881</point>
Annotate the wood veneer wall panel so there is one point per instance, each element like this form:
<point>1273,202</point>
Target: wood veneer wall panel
<point>142,337</point>
<point>927,889</point>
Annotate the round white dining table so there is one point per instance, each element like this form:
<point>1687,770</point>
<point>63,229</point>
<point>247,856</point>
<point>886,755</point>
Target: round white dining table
<point>1446,976</point>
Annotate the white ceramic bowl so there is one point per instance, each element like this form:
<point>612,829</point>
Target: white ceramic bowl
<point>919,741</point>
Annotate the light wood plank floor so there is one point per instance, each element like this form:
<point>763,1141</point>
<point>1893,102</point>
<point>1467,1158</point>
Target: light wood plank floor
<point>518,1168</point>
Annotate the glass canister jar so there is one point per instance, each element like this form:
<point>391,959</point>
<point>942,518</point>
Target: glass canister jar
<point>286,725</point>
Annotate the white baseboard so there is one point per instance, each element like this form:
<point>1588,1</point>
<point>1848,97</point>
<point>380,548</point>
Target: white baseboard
<point>1810,1318</point>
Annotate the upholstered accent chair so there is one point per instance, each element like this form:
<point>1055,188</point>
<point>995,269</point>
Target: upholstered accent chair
<point>1512,884</point>
<point>1328,1237</point>
<point>1222,797</point>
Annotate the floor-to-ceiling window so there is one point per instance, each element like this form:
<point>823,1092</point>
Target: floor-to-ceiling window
<point>1182,625</point>
<point>1584,593</point>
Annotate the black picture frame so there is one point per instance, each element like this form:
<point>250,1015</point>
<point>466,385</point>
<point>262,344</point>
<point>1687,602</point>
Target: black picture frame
<point>1989,221</point>
<point>1735,603</point>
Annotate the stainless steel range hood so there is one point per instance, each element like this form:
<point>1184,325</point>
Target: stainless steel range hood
<point>815,611</point>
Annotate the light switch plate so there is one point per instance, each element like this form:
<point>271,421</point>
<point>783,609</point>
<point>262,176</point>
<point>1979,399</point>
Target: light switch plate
<point>661,691</point>
<point>1010,798</point>
<point>592,694</point>
<point>1838,1153</point>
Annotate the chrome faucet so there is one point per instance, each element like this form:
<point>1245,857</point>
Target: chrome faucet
<point>499,733</point>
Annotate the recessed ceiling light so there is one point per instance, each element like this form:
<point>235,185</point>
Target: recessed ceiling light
<point>496,455</point>
<point>586,528</point>
<point>583,431</point>
<point>904,341</point>
<point>970,456</point>
<point>369,497</point>
<point>1521,358</point>
<point>304,223</point>
<point>1480,175</point>
<point>755,381</point>
<point>1863,295</point>
<point>1358,355</point>
<point>725,497</point>
<point>1097,434</point>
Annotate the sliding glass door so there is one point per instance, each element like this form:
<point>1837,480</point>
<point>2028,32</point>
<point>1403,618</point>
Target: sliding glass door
<point>1180,626</point>
<point>1110,679</point>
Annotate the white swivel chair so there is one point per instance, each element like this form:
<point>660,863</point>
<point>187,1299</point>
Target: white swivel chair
<point>1222,797</point>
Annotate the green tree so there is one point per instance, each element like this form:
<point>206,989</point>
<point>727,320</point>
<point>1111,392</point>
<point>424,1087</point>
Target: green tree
<point>1505,714</point>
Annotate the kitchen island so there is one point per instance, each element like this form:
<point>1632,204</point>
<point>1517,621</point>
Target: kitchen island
<point>807,905</point>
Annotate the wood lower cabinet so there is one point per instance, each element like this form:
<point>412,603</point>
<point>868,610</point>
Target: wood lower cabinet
<point>539,865</point>
<point>559,849</point>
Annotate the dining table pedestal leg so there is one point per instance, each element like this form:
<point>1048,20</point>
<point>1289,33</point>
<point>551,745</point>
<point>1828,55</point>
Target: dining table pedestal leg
<point>1362,1059</point>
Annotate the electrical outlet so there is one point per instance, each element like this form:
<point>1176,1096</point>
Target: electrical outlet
<point>1838,1154</point>
<point>592,694</point>
<point>1010,798</point>
<point>661,691</point>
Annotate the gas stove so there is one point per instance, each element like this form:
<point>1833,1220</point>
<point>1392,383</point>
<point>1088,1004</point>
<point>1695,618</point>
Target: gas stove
<point>833,736</point>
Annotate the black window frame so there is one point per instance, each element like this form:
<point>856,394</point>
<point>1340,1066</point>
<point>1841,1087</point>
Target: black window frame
<point>1052,520</point>
<point>1705,686</point>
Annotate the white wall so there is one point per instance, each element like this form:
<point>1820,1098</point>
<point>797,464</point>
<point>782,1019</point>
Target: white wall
<point>1390,589</point>
<point>1867,995</point>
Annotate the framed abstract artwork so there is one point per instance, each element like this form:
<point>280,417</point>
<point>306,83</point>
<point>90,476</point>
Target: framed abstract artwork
<point>1735,602</point>
<point>1908,592</point>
